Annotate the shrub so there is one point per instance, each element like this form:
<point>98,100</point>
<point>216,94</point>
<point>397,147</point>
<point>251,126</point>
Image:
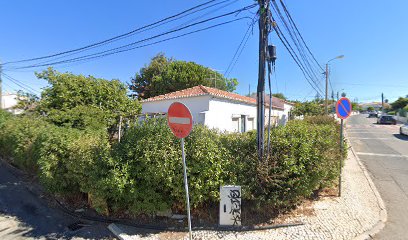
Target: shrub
<point>71,160</point>
<point>4,116</point>
<point>151,170</point>
<point>17,136</point>
<point>303,158</point>
<point>144,173</point>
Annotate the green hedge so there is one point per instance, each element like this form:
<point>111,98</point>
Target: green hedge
<point>17,136</point>
<point>143,173</point>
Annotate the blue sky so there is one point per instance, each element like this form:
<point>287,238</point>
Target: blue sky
<point>372,35</point>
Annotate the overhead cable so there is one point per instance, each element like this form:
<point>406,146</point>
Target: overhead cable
<point>162,21</point>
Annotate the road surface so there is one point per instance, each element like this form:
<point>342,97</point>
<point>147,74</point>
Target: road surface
<point>384,152</point>
<point>25,215</point>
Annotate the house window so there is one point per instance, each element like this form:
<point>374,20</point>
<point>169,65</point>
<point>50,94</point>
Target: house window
<point>250,123</point>
<point>235,124</point>
<point>243,124</point>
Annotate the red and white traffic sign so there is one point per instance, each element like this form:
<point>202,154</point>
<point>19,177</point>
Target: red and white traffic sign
<point>179,119</point>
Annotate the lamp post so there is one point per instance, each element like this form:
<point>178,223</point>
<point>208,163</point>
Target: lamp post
<point>327,81</point>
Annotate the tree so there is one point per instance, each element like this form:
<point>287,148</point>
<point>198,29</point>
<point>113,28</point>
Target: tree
<point>279,95</point>
<point>26,101</point>
<point>74,100</point>
<point>164,75</point>
<point>355,106</point>
<point>307,108</point>
<point>370,109</point>
<point>400,103</point>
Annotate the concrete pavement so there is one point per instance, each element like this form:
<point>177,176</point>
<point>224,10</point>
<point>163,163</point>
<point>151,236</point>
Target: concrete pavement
<point>385,155</point>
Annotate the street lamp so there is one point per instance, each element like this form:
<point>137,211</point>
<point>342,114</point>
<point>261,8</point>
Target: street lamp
<point>327,81</point>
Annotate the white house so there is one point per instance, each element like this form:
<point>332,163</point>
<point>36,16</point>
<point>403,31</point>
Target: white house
<point>212,107</point>
<point>8,101</point>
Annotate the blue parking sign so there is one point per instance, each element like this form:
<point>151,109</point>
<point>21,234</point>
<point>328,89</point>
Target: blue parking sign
<point>343,108</point>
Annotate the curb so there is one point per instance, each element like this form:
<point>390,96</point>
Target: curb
<point>118,232</point>
<point>383,212</point>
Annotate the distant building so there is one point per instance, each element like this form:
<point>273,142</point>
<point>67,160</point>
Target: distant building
<point>376,105</point>
<point>9,101</point>
<point>218,109</point>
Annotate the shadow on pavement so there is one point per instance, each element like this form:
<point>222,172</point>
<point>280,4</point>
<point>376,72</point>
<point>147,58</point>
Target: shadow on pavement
<point>402,137</point>
<point>24,212</point>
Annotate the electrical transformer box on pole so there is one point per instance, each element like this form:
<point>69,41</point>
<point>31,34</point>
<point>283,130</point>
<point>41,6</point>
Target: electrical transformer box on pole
<point>230,206</point>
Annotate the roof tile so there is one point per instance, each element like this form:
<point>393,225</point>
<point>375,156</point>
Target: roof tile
<point>201,90</point>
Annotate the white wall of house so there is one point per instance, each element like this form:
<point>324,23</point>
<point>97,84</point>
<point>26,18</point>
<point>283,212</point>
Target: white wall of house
<point>197,105</point>
<point>219,113</point>
<point>231,116</point>
<point>285,115</point>
<point>276,114</point>
<point>8,101</point>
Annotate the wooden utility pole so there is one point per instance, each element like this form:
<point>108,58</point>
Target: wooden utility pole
<point>326,103</point>
<point>382,103</point>
<point>1,84</point>
<point>260,93</point>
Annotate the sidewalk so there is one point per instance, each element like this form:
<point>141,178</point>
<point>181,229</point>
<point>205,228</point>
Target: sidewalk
<point>357,214</point>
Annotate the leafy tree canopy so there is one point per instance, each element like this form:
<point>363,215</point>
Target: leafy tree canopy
<point>400,103</point>
<point>26,101</point>
<point>308,108</point>
<point>279,95</point>
<point>312,108</point>
<point>75,100</point>
<point>164,75</point>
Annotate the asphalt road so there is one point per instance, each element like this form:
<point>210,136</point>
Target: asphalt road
<point>26,214</point>
<point>384,152</point>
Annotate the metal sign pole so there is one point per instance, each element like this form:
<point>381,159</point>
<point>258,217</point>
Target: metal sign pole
<point>186,187</point>
<point>341,154</point>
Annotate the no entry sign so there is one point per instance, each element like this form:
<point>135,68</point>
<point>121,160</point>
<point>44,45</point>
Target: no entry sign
<point>181,122</point>
<point>179,119</point>
<point>343,108</point>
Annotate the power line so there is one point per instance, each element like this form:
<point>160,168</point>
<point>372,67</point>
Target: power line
<point>22,85</point>
<point>153,27</point>
<point>295,58</point>
<point>300,35</point>
<point>120,36</point>
<point>239,50</point>
<point>123,48</point>
<point>307,66</point>
<point>290,50</point>
<point>297,35</point>
<point>208,13</point>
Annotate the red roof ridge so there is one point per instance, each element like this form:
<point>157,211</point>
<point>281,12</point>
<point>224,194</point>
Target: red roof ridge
<point>201,90</point>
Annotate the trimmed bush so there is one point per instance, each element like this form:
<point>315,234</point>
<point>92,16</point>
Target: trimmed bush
<point>144,173</point>
<point>17,136</point>
<point>151,168</point>
<point>69,158</point>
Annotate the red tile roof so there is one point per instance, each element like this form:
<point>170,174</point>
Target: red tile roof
<point>201,90</point>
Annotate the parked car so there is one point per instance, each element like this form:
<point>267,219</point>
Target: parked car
<point>386,119</point>
<point>372,114</point>
<point>404,129</point>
